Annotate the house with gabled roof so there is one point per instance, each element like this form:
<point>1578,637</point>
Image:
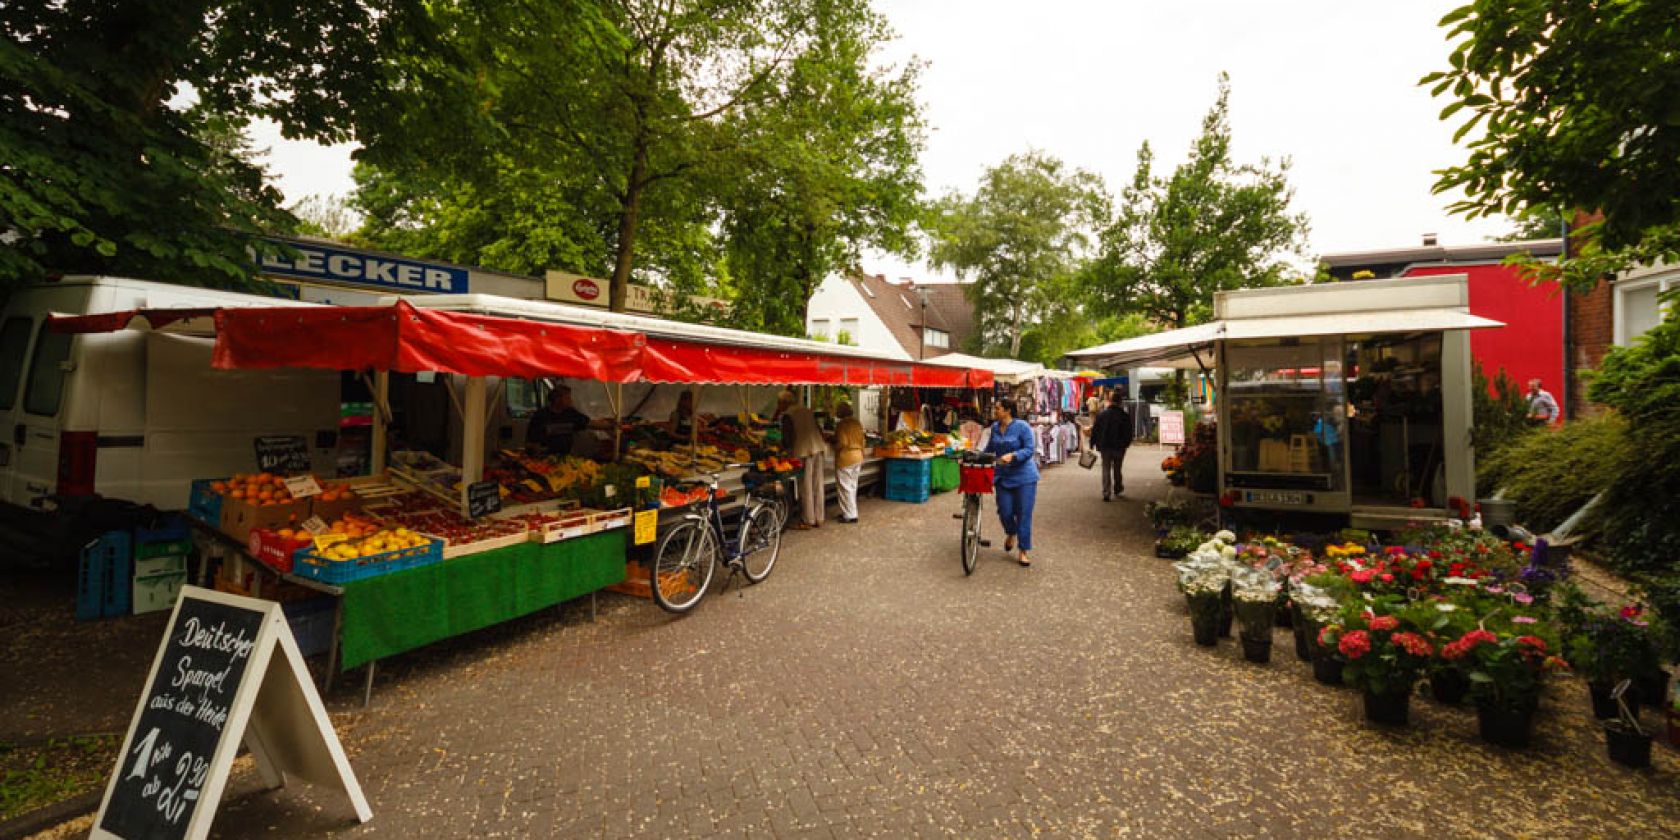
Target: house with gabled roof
<point>900,319</point>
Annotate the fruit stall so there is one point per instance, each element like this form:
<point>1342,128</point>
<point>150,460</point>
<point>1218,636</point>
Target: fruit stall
<point>1349,399</point>
<point>426,548</point>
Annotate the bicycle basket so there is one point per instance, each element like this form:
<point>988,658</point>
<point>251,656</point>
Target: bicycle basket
<point>974,480</point>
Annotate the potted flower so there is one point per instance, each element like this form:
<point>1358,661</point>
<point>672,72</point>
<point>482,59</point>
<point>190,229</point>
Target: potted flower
<point>1384,658</point>
<point>1205,591</point>
<point>1313,608</point>
<point>1628,743</point>
<point>1608,648</point>
<point>1179,541</point>
<point>1507,668</point>
<point>1255,597</point>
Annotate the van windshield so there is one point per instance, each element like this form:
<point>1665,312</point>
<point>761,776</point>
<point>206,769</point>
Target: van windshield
<point>14,343</point>
<point>46,373</point>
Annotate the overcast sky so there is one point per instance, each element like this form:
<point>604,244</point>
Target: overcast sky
<point>1330,84</point>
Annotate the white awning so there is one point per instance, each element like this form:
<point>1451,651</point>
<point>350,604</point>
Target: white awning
<point>1003,370</point>
<point>1183,348</point>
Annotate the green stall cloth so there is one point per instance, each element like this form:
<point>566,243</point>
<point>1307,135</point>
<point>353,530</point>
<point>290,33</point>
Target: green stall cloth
<point>944,476</point>
<point>409,609</point>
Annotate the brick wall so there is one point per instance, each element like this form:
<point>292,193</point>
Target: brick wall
<point>1592,333</point>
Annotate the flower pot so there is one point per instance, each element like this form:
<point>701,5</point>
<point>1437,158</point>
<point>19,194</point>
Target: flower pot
<point>1328,670</point>
<point>1257,650</point>
<point>1448,685</point>
<point>1285,617</point>
<point>1673,719</point>
<point>1604,706</point>
<point>1653,688</point>
<point>1205,626</point>
<point>1391,709</point>
<point>1504,726</point>
<point>1628,747</point>
<point>1303,642</point>
<point>1228,614</point>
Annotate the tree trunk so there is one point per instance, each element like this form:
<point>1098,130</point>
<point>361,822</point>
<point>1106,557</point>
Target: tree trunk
<point>629,214</point>
<point>1015,335</point>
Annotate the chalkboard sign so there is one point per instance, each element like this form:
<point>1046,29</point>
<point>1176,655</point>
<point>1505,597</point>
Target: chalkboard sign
<point>283,454</point>
<point>160,778</point>
<point>483,498</point>
<point>227,672</point>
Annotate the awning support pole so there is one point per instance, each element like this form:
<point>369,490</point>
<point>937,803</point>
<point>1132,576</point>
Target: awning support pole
<point>381,419</point>
<point>472,437</point>
<point>693,417</point>
<point>615,399</point>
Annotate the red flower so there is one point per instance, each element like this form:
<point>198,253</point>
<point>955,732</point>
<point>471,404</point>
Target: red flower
<point>1361,577</point>
<point>1462,647</point>
<point>1384,622</point>
<point>1387,578</point>
<point>1535,642</point>
<point>1413,643</point>
<point>1425,564</point>
<point>1355,644</point>
<point>1632,611</point>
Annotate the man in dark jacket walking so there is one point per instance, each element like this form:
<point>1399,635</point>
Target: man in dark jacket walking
<point>1111,434</point>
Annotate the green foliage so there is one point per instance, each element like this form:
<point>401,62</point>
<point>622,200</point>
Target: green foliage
<point>1500,413</point>
<point>1570,104</point>
<point>742,148</point>
<point>1551,473</point>
<point>1640,517</point>
<point>1019,237</point>
<point>1212,225</point>
<point>38,775</point>
<point>100,174</point>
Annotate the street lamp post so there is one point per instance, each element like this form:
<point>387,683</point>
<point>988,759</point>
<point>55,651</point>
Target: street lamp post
<point>921,349</point>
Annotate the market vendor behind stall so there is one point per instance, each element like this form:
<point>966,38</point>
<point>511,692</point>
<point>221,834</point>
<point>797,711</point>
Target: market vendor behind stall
<point>555,427</point>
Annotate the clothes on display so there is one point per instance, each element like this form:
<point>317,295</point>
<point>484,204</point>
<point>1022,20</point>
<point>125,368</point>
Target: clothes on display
<point>1063,395</point>
<point>1057,438</point>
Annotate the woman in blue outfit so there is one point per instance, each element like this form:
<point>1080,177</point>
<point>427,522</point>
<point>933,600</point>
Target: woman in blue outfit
<point>1015,480</point>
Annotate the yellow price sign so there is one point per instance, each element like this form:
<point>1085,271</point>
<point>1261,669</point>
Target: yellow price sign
<point>642,482</point>
<point>647,526</point>
<point>326,541</point>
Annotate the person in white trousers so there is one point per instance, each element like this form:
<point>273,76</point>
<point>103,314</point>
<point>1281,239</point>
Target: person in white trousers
<point>848,461</point>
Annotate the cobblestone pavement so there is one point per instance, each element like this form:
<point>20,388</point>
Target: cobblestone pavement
<point>868,688</point>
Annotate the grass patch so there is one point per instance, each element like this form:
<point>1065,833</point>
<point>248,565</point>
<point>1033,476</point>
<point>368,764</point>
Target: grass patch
<point>36,775</point>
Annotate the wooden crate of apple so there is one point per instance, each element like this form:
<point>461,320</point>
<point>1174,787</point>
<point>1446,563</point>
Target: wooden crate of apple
<point>460,535</point>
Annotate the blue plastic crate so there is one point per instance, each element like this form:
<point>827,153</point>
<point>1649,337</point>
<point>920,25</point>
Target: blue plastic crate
<point>904,493</point>
<point>172,539</point>
<point>104,585</point>
<point>909,469</point>
<point>315,567</point>
<point>205,504</point>
<point>312,623</point>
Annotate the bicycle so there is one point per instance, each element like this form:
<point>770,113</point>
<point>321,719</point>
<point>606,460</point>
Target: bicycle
<point>975,480</point>
<point>688,554</point>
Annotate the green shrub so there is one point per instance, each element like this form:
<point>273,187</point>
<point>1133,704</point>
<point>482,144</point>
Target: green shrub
<point>1640,519</point>
<point>1551,473</point>
<point>1500,413</point>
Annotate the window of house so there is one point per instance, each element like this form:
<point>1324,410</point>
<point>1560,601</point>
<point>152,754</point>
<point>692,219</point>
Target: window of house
<point>848,331</point>
<point>819,328</point>
<point>937,338</point>
<point>1638,306</point>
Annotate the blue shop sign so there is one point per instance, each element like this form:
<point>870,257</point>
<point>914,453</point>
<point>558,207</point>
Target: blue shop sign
<point>339,265</point>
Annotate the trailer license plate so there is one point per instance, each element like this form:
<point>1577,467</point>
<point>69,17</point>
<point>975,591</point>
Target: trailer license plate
<point>1274,497</point>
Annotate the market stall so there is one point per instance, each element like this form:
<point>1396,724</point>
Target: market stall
<point>1350,399</point>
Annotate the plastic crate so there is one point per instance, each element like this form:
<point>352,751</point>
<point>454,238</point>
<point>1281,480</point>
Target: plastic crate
<point>312,623</point>
<point>315,567</point>
<point>907,468</point>
<point>906,493</point>
<point>275,551</point>
<point>149,566</point>
<point>157,592</point>
<point>103,572</point>
<point>205,504</point>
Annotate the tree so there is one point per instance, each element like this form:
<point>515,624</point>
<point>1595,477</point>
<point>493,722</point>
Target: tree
<point>1213,225</point>
<point>100,174</point>
<point>1576,108</point>
<point>331,216</point>
<point>828,167</point>
<point>622,114</point>
<point>1030,223</point>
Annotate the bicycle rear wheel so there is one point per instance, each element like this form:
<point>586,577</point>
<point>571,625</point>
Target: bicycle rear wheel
<point>970,533</point>
<point>683,566</point>
<point>761,542</point>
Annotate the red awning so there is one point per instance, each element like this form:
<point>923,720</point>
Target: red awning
<point>408,340</point>
<point>103,322</point>
<point>665,360</point>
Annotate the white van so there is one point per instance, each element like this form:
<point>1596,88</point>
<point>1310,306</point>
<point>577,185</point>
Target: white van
<point>138,413</point>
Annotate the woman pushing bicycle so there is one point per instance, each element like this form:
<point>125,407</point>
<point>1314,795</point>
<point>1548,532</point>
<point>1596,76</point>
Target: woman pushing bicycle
<point>1016,478</point>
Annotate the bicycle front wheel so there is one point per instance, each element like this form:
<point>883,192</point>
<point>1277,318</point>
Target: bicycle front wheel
<point>970,533</point>
<point>761,542</point>
<point>683,566</point>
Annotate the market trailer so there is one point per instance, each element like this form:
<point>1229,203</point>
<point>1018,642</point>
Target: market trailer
<point>1348,399</point>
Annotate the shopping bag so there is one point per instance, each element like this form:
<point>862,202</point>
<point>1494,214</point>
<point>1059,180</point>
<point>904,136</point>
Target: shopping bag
<point>1088,458</point>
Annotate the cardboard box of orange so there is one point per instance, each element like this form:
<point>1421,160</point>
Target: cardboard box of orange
<point>335,500</point>
<point>257,501</point>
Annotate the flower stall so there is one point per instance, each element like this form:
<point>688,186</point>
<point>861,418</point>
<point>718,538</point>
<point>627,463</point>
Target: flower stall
<point>1350,399</point>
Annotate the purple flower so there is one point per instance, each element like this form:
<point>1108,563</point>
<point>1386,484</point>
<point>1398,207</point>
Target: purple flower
<point>1523,619</point>
<point>1495,590</point>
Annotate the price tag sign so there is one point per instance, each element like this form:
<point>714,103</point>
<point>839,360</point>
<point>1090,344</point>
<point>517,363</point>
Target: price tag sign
<point>647,526</point>
<point>303,486</point>
<point>483,498</point>
<point>642,482</point>
<point>315,525</point>
<point>609,491</point>
<point>1170,427</point>
<point>283,454</point>
<point>326,541</point>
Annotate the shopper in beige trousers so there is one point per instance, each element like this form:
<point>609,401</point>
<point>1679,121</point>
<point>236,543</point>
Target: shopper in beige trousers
<point>802,439</point>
